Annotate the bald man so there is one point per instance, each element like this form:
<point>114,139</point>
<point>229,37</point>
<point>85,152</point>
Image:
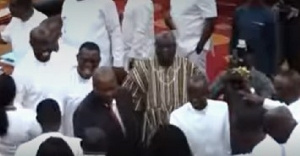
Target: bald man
<point>283,134</point>
<point>108,107</point>
<point>205,122</point>
<point>159,85</point>
<point>34,73</point>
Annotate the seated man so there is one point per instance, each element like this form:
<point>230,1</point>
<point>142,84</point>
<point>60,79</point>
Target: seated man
<point>158,85</point>
<point>259,81</point>
<point>108,107</point>
<point>211,134</point>
<point>283,134</point>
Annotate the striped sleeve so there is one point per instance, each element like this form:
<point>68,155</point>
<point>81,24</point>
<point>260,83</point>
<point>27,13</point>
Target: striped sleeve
<point>136,82</point>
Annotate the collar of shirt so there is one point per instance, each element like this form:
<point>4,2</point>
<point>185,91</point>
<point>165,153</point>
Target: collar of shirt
<point>203,111</point>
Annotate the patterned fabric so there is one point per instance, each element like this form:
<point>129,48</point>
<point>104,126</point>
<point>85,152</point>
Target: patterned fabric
<point>157,91</point>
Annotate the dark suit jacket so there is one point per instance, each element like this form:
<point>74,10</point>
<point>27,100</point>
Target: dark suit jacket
<point>92,112</point>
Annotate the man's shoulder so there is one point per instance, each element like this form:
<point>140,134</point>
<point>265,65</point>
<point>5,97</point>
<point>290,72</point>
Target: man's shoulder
<point>29,148</point>
<point>217,104</point>
<point>268,146</point>
<point>181,110</point>
<point>72,141</point>
<point>39,15</point>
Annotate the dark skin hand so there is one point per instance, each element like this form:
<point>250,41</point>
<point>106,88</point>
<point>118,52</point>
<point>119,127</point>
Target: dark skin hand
<point>252,98</point>
<point>207,32</point>
<point>120,74</point>
<point>169,21</point>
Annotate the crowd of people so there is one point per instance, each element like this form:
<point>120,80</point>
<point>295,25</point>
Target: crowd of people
<point>94,82</point>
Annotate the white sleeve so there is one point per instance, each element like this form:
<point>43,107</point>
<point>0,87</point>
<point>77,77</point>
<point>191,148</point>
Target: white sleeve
<point>174,120</point>
<point>208,8</point>
<point>143,18</point>
<point>22,86</point>
<point>227,142</point>
<point>7,32</point>
<point>114,29</point>
<point>270,104</point>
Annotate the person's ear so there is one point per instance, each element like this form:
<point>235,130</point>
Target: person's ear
<point>77,57</point>
<point>82,144</point>
<point>38,119</point>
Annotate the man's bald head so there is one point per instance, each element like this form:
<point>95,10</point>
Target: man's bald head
<point>42,44</point>
<point>279,123</point>
<point>39,35</point>
<point>165,44</point>
<point>105,83</point>
<point>198,91</point>
<point>103,75</point>
<point>94,141</point>
<point>286,84</point>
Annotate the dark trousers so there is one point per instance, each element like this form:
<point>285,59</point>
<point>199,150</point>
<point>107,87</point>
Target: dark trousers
<point>290,40</point>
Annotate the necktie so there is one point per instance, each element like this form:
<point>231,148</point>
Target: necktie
<point>116,116</point>
<point>283,153</point>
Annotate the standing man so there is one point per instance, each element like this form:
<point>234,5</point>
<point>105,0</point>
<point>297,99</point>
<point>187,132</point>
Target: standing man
<point>33,74</point>
<point>283,134</point>
<point>211,134</point>
<point>194,22</point>
<point>287,93</point>
<point>255,24</point>
<point>158,85</point>
<point>138,30</point>
<point>24,19</point>
<point>289,22</point>
<point>97,22</point>
<point>78,82</point>
<point>108,107</point>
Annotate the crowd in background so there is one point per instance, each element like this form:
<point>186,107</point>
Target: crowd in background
<point>94,83</point>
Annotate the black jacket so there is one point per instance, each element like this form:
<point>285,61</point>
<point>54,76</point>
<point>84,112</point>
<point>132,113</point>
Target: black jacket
<point>92,112</point>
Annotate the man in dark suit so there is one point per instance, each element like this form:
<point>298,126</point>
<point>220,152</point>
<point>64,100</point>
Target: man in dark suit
<point>109,107</point>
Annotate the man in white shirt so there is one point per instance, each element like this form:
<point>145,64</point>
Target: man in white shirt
<point>205,122</point>
<point>78,82</point>
<point>24,19</point>
<point>287,88</point>
<point>283,134</point>
<point>194,22</point>
<point>49,117</point>
<point>97,22</point>
<point>34,76</point>
<point>138,30</point>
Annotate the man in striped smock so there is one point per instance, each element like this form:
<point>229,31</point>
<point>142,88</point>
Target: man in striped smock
<point>158,85</point>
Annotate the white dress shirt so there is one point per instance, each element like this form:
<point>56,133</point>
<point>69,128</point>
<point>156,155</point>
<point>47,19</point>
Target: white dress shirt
<point>138,29</point>
<point>97,22</point>
<point>17,33</point>
<point>293,107</point>
<point>30,148</point>
<point>37,81</point>
<point>189,19</point>
<point>270,147</point>
<point>22,128</point>
<point>77,89</point>
<point>293,146</point>
<point>207,131</point>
